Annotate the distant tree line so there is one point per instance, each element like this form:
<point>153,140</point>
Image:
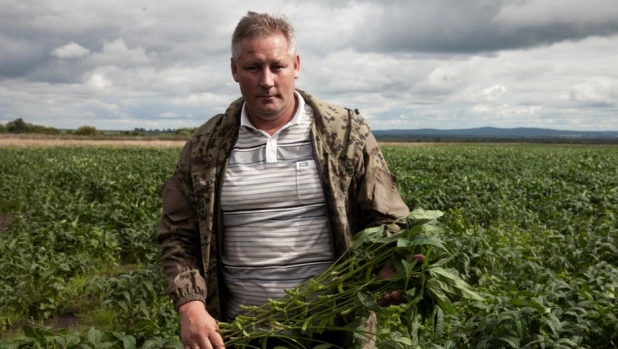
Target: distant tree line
<point>187,131</point>
<point>494,139</point>
<point>19,126</point>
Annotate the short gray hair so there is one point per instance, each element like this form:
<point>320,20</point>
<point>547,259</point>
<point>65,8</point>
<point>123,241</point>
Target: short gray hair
<point>259,25</point>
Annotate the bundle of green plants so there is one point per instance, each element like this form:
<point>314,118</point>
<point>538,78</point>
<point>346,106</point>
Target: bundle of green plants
<point>348,292</point>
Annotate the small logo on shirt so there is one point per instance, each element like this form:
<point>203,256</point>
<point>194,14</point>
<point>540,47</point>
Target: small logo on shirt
<point>305,165</point>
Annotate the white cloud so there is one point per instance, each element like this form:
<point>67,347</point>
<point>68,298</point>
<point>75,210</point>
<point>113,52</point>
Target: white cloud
<point>117,53</point>
<point>601,91</point>
<point>99,82</point>
<point>481,109</point>
<point>201,99</point>
<point>70,50</point>
<point>114,108</point>
<point>515,110</point>
<point>443,79</point>
<point>493,93</point>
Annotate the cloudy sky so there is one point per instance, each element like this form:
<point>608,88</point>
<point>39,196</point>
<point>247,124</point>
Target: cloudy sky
<point>121,64</point>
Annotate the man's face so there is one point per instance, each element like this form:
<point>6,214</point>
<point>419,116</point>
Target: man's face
<point>266,74</point>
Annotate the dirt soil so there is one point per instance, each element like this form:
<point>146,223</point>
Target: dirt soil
<point>17,142</point>
<point>67,321</point>
<point>5,219</point>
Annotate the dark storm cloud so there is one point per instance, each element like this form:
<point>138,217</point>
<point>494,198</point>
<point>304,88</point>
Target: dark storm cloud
<point>18,56</point>
<point>31,30</point>
<point>473,26</point>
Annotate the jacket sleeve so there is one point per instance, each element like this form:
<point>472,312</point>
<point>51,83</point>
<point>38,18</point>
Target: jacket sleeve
<point>178,235</point>
<point>379,200</point>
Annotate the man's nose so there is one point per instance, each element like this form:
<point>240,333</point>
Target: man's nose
<point>267,79</point>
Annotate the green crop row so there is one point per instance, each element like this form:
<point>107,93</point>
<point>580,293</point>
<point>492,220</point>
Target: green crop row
<point>532,228</point>
<point>81,242</point>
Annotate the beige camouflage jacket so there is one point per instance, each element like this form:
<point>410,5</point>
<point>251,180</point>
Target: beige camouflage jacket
<point>359,189</point>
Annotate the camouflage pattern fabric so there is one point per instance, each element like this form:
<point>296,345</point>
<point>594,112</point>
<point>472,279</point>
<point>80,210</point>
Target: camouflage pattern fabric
<point>360,193</point>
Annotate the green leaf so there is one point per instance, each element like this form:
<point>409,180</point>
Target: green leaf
<point>553,323</point>
<point>368,301</point>
<point>439,297</point>
<point>173,344</point>
<point>438,322</point>
<point>415,295</point>
<point>94,336</point>
<point>369,234</point>
<point>512,341</point>
<point>462,287</point>
<point>129,342</point>
<point>424,240</point>
<point>405,341</point>
<point>566,341</point>
<point>420,214</point>
<point>540,308</point>
<point>123,305</point>
<point>390,344</point>
<point>151,343</point>
<point>431,229</point>
<point>30,332</point>
<point>407,268</point>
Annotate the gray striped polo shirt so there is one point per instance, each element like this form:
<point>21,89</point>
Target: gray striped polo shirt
<point>274,213</point>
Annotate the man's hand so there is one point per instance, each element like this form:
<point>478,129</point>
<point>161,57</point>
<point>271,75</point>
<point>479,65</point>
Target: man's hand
<point>197,328</point>
<point>394,297</point>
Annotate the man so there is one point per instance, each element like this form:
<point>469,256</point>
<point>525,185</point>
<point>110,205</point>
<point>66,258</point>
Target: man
<point>268,194</point>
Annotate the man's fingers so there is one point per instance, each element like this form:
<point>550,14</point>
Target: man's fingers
<point>391,298</point>
<point>217,341</point>
<point>387,298</point>
<point>192,345</point>
<point>385,301</point>
<point>396,297</point>
<point>204,343</point>
<point>419,257</point>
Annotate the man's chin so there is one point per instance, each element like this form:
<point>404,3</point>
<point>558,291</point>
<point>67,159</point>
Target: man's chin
<point>269,108</point>
<point>271,115</point>
<point>268,113</point>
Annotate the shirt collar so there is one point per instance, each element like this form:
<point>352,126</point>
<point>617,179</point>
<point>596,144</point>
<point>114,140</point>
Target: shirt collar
<point>298,115</point>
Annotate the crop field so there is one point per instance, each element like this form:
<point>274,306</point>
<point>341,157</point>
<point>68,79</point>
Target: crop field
<point>534,230</point>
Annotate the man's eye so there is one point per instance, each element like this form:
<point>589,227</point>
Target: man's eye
<point>253,69</point>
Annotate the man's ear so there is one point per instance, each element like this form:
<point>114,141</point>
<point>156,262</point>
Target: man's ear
<point>297,66</point>
<point>234,69</point>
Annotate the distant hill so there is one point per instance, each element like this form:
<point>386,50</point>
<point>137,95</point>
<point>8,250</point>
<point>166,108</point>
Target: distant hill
<point>494,132</point>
